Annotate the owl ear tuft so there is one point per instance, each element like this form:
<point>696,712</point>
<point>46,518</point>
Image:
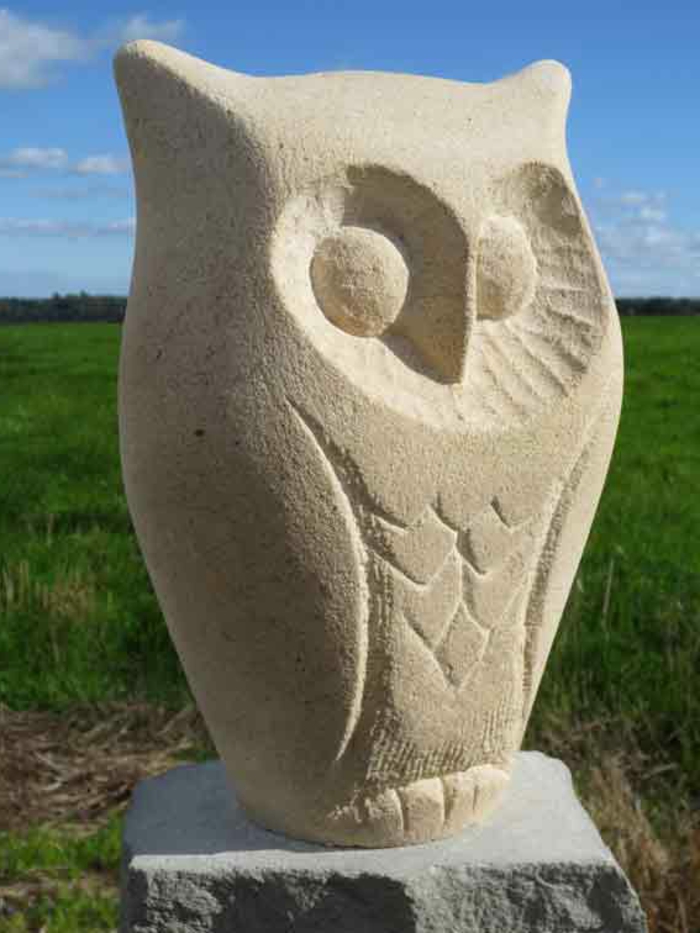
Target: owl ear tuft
<point>135,60</point>
<point>148,73</point>
<point>171,102</point>
<point>544,90</point>
<point>548,82</point>
<point>549,79</point>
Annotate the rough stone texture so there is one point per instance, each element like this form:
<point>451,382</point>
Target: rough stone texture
<point>370,379</point>
<point>193,862</point>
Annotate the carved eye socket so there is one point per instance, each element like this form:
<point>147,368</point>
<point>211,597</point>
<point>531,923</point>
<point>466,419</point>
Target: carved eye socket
<point>506,269</point>
<point>360,280</point>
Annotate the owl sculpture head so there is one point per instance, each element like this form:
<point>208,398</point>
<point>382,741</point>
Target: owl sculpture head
<point>370,381</point>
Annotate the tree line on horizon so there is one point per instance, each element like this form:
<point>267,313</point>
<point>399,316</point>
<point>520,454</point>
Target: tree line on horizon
<point>110,309</point>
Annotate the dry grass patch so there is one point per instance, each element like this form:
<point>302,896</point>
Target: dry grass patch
<point>643,811</point>
<point>75,771</point>
<point>79,767</point>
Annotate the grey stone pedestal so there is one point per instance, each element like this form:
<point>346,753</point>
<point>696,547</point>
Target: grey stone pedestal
<point>193,862</point>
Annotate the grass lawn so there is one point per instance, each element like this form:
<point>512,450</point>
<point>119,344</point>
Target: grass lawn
<point>83,641</point>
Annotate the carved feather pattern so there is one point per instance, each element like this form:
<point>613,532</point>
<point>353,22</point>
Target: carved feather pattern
<point>452,586</point>
<point>472,592</point>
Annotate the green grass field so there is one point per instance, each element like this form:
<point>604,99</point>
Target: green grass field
<point>79,621</point>
<point>75,873</point>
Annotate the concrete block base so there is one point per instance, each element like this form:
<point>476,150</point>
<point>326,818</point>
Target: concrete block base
<point>194,862</point>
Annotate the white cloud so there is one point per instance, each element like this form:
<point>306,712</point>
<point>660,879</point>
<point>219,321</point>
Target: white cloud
<point>644,251</point>
<point>629,201</point>
<point>10,226</point>
<point>652,213</point>
<point>29,158</point>
<point>41,228</point>
<point>140,27</point>
<point>633,197</point>
<point>28,48</point>
<point>22,161</point>
<point>117,227</point>
<point>101,165</point>
<point>79,194</point>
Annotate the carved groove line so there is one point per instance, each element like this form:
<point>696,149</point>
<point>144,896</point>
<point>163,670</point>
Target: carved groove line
<point>345,502</point>
<point>562,502</point>
<point>553,343</point>
<point>493,373</point>
<point>498,509</point>
<point>574,318</point>
<point>547,371</point>
<point>406,532</point>
<point>558,287</point>
<point>416,585</point>
<point>474,570</point>
<point>402,807</point>
<point>500,352</point>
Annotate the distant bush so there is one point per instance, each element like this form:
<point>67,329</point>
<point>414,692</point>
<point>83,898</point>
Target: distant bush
<point>81,308</point>
<point>648,307</point>
<point>109,309</point>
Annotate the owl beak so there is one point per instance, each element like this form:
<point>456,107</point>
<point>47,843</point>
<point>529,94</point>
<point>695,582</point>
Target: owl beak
<point>439,328</point>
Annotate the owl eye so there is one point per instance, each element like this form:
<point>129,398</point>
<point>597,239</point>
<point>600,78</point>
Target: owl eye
<point>506,269</point>
<point>360,280</point>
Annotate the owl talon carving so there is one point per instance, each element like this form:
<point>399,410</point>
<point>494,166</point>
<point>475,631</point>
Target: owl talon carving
<point>431,808</point>
<point>400,341</point>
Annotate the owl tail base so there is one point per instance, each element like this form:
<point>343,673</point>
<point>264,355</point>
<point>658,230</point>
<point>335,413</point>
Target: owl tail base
<point>424,810</point>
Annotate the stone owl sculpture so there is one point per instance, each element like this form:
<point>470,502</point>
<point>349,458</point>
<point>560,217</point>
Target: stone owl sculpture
<point>370,380</point>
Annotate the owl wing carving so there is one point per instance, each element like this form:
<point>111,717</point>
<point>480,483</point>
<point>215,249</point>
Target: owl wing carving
<point>454,587</point>
<point>575,505</point>
<point>451,586</point>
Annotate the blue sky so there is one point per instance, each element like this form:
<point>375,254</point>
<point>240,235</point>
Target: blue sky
<point>66,192</point>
